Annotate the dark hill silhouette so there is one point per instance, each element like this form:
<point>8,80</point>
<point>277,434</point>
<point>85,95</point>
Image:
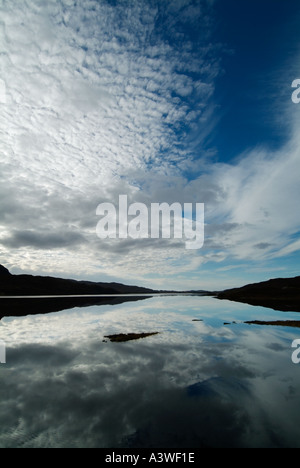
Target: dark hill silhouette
<point>278,294</point>
<point>4,271</point>
<point>28,285</point>
<point>54,289</point>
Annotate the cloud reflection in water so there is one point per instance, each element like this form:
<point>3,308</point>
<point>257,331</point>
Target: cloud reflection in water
<point>197,384</point>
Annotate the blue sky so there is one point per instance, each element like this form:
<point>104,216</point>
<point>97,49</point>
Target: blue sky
<point>183,101</point>
<point>263,40</point>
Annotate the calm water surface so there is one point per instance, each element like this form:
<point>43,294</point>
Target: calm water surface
<point>195,384</point>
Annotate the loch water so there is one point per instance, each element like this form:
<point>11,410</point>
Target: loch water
<point>206,380</point>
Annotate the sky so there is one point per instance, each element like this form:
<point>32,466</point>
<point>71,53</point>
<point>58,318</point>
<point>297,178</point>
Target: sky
<point>186,101</point>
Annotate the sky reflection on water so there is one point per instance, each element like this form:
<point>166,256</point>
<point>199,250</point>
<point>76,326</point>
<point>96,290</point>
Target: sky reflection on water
<point>196,384</point>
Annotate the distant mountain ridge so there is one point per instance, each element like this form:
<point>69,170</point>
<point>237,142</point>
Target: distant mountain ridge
<point>278,294</point>
<point>28,285</point>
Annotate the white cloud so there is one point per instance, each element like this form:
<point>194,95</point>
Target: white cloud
<point>79,82</point>
<point>98,101</point>
<point>261,196</point>
<point>2,92</point>
<point>289,249</point>
<point>94,94</point>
